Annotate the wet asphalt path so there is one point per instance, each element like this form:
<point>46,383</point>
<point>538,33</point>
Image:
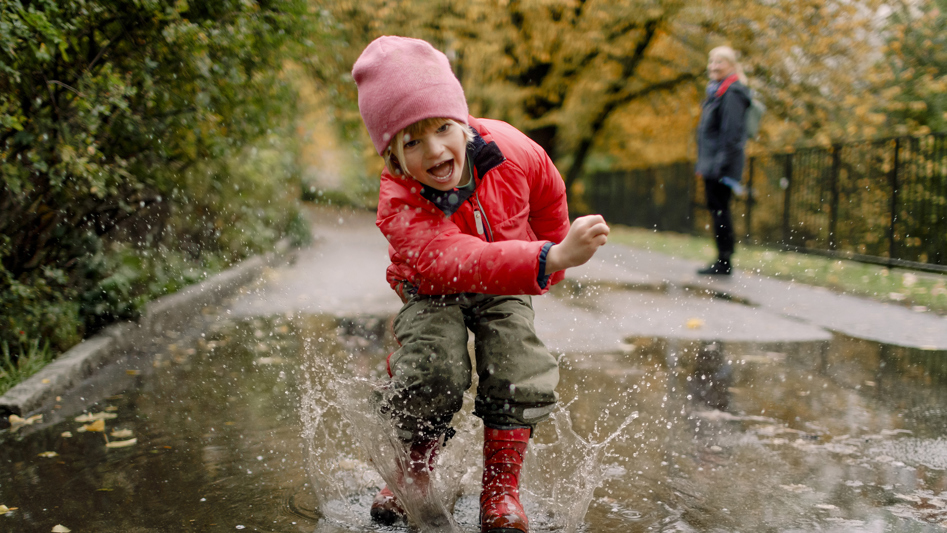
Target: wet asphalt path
<point>621,294</point>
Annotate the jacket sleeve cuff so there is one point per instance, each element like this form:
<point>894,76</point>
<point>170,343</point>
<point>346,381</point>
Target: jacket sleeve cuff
<point>543,278</point>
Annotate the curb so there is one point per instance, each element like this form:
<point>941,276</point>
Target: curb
<point>163,314</point>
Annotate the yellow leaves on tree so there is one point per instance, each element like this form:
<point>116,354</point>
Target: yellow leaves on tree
<point>619,82</point>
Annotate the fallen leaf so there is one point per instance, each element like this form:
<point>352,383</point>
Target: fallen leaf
<point>46,381</point>
<point>66,434</point>
<point>4,509</point>
<point>694,323</point>
<point>48,454</point>
<point>98,425</point>
<point>16,422</point>
<point>59,528</point>
<point>111,409</point>
<point>133,372</point>
<point>121,443</point>
<point>121,433</point>
<point>269,361</point>
<point>92,417</point>
<point>796,488</point>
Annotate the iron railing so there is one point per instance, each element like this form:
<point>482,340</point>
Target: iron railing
<point>882,201</point>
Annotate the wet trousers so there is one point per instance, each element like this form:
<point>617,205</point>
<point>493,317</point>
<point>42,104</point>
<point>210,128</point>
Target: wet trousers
<point>718,202</point>
<point>432,368</point>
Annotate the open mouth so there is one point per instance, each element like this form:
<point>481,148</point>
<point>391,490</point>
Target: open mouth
<point>442,172</point>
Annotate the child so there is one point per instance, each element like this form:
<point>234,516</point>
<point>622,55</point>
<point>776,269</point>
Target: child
<point>475,214</point>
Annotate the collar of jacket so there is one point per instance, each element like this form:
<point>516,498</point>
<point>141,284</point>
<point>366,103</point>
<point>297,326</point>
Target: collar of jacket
<point>725,84</point>
<point>485,156</point>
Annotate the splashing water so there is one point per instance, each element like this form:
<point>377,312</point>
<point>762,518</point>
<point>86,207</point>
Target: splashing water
<point>353,451</point>
<point>562,476</point>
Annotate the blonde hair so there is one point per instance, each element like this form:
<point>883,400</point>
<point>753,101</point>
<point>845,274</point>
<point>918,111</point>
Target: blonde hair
<point>394,154</point>
<point>730,55</point>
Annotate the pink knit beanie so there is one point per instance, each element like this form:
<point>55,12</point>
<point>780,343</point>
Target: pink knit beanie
<point>401,81</point>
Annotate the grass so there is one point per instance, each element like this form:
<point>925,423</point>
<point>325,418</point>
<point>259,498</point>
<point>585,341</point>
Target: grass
<point>920,290</point>
<point>27,363</point>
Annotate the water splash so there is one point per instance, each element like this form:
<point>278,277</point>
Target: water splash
<point>561,477</point>
<point>430,508</point>
<point>353,451</point>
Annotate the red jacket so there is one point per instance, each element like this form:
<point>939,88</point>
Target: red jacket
<point>520,199</point>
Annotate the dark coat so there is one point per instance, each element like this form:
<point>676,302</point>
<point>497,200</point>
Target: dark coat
<point>721,134</point>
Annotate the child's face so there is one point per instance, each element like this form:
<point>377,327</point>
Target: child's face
<point>437,156</point>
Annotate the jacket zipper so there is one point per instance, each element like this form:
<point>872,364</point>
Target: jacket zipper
<point>480,217</point>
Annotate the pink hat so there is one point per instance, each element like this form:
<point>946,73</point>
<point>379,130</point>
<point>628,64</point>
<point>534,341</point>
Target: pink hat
<point>401,81</point>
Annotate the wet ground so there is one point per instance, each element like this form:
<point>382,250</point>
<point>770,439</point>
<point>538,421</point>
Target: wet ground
<point>709,416</point>
<point>247,424</point>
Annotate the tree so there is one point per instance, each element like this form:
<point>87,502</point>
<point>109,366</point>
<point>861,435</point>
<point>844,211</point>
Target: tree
<point>120,117</point>
<point>623,78</point>
<point>911,80</point>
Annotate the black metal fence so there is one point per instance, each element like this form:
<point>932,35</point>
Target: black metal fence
<point>880,201</point>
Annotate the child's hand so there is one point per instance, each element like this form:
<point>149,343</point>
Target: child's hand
<point>585,236</point>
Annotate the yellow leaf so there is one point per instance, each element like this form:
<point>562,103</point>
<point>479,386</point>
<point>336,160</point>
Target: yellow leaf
<point>59,528</point>
<point>694,323</point>
<point>133,372</point>
<point>98,425</point>
<point>92,417</point>
<point>48,454</point>
<point>16,422</point>
<point>121,433</point>
<point>121,443</point>
<point>4,509</point>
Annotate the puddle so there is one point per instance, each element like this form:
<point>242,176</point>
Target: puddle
<point>259,425</point>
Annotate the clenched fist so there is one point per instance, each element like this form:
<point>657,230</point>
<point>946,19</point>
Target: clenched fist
<point>585,236</point>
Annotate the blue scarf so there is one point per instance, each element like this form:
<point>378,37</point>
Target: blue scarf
<point>712,88</point>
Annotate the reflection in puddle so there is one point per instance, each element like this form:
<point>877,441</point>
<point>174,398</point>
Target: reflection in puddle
<point>266,425</point>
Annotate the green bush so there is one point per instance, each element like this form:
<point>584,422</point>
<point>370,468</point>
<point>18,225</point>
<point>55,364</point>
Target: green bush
<point>15,367</point>
<point>144,146</point>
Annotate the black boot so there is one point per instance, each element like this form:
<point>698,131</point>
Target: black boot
<point>721,267</point>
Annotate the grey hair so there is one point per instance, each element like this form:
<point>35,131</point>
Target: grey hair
<point>730,55</point>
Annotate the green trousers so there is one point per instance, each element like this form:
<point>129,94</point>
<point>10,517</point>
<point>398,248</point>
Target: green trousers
<point>432,368</point>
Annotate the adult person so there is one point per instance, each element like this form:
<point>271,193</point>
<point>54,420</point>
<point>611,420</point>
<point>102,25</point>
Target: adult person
<point>721,137</point>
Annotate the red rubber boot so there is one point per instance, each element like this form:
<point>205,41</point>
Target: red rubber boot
<point>500,508</point>
<point>421,456</point>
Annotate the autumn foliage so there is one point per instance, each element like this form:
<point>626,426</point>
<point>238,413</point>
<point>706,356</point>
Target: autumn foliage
<point>617,84</point>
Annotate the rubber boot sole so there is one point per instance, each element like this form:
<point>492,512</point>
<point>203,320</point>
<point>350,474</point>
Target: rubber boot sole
<point>385,517</point>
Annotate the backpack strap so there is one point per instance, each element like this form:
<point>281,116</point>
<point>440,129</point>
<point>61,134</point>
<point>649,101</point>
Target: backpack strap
<point>725,84</point>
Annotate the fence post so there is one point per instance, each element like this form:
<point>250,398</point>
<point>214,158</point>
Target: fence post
<point>787,198</point>
<point>749,200</point>
<point>893,179</point>
<point>692,198</point>
<point>833,202</point>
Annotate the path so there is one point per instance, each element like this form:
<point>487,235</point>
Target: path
<point>628,293</point>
